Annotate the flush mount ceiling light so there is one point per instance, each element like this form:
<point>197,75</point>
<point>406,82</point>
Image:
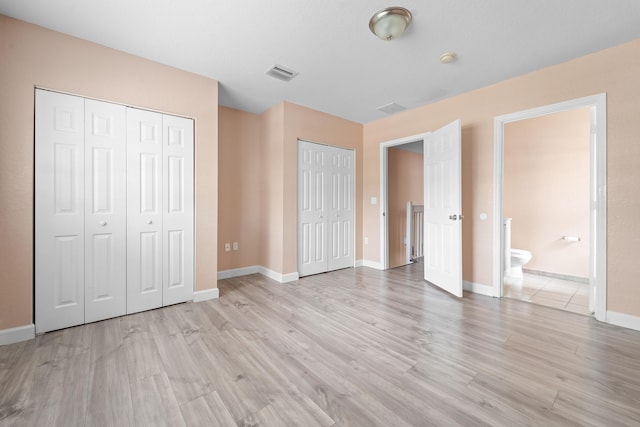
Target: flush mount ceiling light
<point>390,23</point>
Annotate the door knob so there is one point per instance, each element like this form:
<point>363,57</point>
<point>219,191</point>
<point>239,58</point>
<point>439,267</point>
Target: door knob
<point>453,217</point>
<point>103,223</point>
<point>149,222</point>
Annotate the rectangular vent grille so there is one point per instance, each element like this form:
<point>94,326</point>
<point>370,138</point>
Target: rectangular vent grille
<point>391,108</point>
<point>281,73</point>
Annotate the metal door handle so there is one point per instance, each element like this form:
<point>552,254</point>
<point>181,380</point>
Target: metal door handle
<point>149,222</point>
<point>103,223</point>
<point>453,217</point>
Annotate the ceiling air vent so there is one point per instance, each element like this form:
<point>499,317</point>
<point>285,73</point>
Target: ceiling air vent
<point>281,73</point>
<point>391,108</point>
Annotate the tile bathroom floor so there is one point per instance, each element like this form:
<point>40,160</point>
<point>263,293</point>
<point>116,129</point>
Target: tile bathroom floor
<point>550,292</point>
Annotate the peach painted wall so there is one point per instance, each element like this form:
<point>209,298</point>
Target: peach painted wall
<point>314,126</point>
<point>405,178</point>
<point>271,185</point>
<point>614,71</point>
<point>546,189</point>
<point>238,188</point>
<point>270,179</point>
<point>33,56</point>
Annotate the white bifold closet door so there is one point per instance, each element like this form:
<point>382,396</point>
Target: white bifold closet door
<point>105,219</point>
<point>325,208</point>
<point>160,210</point>
<point>80,215</point>
<point>177,222</point>
<point>113,210</point>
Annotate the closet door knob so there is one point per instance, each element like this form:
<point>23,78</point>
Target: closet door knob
<point>149,222</point>
<point>103,223</point>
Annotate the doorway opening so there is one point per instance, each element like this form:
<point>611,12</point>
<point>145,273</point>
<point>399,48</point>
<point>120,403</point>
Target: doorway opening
<point>405,190</point>
<point>442,194</point>
<point>394,192</point>
<point>593,231</point>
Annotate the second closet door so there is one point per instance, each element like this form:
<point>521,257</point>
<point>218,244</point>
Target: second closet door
<point>325,208</point>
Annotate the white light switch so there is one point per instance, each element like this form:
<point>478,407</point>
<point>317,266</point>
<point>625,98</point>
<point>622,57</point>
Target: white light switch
<point>366,240</point>
<point>227,247</point>
<point>374,200</point>
<point>235,246</point>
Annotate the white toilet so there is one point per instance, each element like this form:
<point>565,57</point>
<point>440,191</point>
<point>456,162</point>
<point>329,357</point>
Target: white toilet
<point>514,259</point>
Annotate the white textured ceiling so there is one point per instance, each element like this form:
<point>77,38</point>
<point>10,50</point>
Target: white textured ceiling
<point>344,69</point>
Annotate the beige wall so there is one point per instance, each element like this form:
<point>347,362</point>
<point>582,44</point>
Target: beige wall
<point>273,225</point>
<point>405,184</point>
<point>546,189</point>
<point>239,188</point>
<point>280,128</point>
<point>314,126</point>
<point>614,71</point>
<point>33,56</point>
<point>271,185</point>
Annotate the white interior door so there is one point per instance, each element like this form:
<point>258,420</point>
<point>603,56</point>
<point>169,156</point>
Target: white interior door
<point>312,210</point>
<point>341,212</point>
<point>105,210</point>
<point>59,211</point>
<point>443,208</point>
<point>325,208</point>
<point>144,210</point>
<point>177,218</point>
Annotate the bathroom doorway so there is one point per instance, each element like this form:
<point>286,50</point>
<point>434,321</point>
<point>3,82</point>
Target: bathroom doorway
<point>549,181</point>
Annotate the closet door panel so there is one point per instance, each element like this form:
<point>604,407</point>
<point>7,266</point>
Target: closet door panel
<point>59,211</point>
<point>105,210</point>
<point>178,241</point>
<point>144,210</point>
<point>312,208</point>
<point>341,214</point>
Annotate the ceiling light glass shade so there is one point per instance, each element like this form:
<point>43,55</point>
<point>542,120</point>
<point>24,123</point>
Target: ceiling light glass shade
<point>390,23</point>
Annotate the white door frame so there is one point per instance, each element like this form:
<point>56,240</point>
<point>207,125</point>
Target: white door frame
<point>384,188</point>
<point>597,191</point>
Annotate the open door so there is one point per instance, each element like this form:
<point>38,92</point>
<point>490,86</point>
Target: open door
<point>443,208</point>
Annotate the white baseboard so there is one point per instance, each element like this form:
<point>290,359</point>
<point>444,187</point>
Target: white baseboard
<point>237,272</point>
<point>21,333</point>
<point>372,264</point>
<point>478,288</point>
<point>278,277</point>
<point>206,294</point>
<point>245,271</point>
<point>358,263</point>
<point>624,320</point>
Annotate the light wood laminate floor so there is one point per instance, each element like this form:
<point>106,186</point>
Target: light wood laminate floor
<point>356,347</point>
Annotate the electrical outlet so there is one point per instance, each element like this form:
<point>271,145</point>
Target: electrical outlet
<point>227,247</point>
<point>366,240</point>
<point>235,246</point>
